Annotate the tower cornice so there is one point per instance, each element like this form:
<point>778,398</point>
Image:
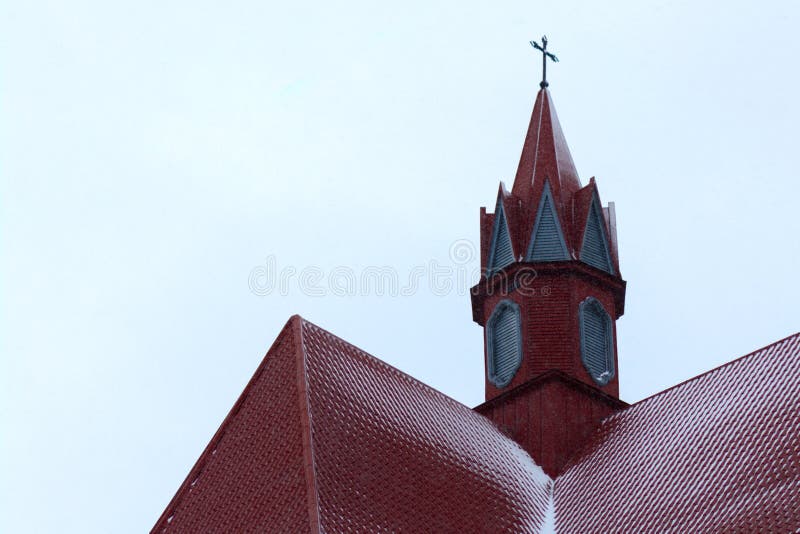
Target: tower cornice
<point>529,276</point>
<point>552,376</point>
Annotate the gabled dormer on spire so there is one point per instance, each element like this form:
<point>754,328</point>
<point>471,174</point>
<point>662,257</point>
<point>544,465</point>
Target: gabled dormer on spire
<point>594,247</point>
<point>501,250</point>
<point>547,242</point>
<point>594,230</point>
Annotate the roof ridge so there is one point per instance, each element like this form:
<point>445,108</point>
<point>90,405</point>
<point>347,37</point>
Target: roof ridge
<point>538,139</point>
<point>309,464</point>
<point>555,144</point>
<point>704,373</point>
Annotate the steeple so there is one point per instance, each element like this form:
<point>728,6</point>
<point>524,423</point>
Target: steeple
<point>549,299</point>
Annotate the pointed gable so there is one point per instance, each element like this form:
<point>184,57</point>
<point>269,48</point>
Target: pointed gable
<point>501,252</point>
<point>327,438</point>
<point>547,243</point>
<point>594,248</point>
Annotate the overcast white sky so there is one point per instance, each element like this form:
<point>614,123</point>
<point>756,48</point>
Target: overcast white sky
<point>155,153</point>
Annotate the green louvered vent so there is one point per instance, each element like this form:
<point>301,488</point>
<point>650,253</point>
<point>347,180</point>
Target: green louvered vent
<point>502,255</point>
<point>547,243</point>
<point>595,246</point>
<point>504,343</point>
<point>597,343</point>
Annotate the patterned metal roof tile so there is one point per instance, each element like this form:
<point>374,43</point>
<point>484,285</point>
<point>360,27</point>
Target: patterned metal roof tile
<point>392,454</point>
<point>326,438</point>
<point>720,452</point>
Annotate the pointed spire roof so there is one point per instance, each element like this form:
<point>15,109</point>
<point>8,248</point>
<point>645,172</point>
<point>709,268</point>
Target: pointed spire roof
<point>545,156</point>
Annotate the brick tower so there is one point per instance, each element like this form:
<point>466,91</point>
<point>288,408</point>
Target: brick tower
<point>548,300</point>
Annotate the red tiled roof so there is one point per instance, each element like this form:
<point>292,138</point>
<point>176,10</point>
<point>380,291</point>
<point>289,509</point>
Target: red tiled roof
<point>328,438</point>
<point>718,453</point>
<point>252,475</point>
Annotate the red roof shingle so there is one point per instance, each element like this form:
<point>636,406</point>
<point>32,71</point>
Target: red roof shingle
<point>717,453</point>
<point>326,438</point>
<point>381,452</point>
<point>251,476</point>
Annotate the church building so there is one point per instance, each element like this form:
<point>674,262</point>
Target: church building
<point>328,438</point>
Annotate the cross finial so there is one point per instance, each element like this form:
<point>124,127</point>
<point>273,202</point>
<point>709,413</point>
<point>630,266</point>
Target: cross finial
<point>545,54</point>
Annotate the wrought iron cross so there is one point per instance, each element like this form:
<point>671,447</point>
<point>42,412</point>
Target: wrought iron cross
<point>545,54</point>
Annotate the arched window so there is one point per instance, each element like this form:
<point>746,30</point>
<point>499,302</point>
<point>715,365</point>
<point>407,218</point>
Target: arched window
<point>597,341</point>
<point>504,343</point>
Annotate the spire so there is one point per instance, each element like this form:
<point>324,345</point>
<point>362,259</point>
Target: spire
<point>549,299</point>
<point>545,156</point>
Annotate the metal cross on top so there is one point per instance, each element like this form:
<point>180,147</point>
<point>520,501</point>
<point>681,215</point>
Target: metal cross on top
<point>545,54</point>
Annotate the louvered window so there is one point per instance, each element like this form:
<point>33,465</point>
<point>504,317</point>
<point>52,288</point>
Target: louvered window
<point>597,341</point>
<point>595,245</point>
<point>547,242</point>
<point>504,344</point>
<point>502,254</point>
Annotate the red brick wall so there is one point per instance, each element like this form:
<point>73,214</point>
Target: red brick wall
<point>551,418</point>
